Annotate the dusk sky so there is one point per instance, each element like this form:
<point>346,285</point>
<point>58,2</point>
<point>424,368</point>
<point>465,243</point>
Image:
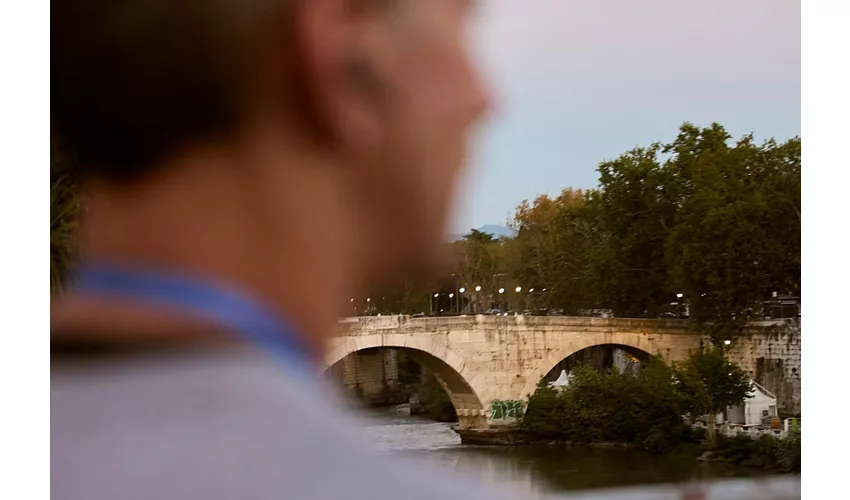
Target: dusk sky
<point>580,81</point>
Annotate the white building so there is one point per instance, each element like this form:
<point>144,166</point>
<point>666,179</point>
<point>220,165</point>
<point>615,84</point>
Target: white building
<point>760,404</point>
<point>563,380</point>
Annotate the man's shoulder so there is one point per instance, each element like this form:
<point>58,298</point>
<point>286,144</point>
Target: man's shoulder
<point>221,427</point>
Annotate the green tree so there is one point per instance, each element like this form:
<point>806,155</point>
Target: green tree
<point>554,238</point>
<point>715,220</point>
<point>737,232</point>
<point>710,382</point>
<point>635,206</point>
<point>645,410</point>
<point>479,260</point>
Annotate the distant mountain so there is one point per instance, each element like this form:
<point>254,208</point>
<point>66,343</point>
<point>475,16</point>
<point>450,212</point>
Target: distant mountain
<point>498,231</point>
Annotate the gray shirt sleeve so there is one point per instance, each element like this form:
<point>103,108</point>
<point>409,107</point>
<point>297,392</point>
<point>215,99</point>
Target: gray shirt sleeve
<point>215,429</point>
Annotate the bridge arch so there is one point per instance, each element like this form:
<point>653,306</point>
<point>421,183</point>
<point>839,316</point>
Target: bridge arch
<point>640,342</point>
<point>447,367</point>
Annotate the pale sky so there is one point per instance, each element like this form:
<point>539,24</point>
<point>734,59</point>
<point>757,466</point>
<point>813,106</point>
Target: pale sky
<point>580,81</point>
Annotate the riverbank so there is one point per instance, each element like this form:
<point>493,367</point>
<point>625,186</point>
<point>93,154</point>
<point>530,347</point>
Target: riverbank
<point>765,452</point>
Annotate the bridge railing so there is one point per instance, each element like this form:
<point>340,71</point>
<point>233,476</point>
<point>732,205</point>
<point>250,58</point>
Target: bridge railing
<point>394,322</point>
<point>431,323</point>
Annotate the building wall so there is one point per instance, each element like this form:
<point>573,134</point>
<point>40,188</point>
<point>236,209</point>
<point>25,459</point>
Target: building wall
<point>770,352</point>
<point>373,373</point>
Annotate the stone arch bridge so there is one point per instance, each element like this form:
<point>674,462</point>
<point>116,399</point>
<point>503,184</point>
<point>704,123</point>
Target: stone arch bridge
<point>488,365</point>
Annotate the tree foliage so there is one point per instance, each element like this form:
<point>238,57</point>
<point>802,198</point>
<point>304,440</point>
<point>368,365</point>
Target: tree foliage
<point>554,241</point>
<point>714,220</point>
<point>64,211</point>
<point>710,382</point>
<point>766,452</point>
<point>647,410</point>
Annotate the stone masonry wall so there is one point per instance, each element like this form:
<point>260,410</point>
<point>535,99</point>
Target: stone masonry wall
<point>373,371</point>
<point>770,352</point>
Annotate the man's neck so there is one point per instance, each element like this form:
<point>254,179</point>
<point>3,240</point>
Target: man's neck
<point>283,232</point>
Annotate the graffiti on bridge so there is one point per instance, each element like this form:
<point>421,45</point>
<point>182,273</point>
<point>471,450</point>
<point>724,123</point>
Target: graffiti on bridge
<point>505,410</point>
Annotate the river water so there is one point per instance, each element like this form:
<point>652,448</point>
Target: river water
<point>532,471</point>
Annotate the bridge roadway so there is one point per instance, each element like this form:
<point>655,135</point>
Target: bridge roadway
<point>488,365</point>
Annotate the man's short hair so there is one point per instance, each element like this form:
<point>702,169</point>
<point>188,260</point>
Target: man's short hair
<point>134,80</point>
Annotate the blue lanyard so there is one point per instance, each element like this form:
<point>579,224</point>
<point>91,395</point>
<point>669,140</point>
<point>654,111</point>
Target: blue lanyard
<point>233,310</point>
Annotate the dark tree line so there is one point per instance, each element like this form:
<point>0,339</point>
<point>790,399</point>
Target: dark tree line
<point>715,220</point>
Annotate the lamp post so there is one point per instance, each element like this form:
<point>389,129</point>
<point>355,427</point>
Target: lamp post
<point>457,287</point>
<point>460,292</point>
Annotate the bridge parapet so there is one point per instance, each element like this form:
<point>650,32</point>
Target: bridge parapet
<point>367,325</point>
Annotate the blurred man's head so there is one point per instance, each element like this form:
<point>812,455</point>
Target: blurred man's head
<point>380,93</point>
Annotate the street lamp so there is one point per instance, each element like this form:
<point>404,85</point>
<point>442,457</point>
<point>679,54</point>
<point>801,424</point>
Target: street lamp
<point>462,290</point>
<point>679,295</point>
<point>727,342</point>
<point>451,295</point>
<point>477,288</point>
<point>501,290</point>
<point>518,289</point>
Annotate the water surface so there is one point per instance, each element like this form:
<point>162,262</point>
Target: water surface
<point>535,469</point>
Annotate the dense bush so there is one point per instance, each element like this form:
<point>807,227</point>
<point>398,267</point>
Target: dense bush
<point>790,451</point>
<point>645,410</point>
<point>649,411</point>
<point>766,452</point>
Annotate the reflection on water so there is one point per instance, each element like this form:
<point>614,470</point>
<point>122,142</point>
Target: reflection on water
<point>540,469</point>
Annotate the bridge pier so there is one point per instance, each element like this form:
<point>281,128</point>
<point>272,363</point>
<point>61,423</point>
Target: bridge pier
<point>501,436</point>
